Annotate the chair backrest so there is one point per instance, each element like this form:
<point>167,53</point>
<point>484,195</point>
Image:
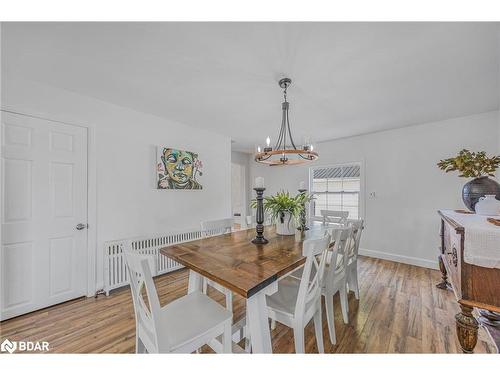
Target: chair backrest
<point>216,227</point>
<point>250,220</point>
<point>146,317</point>
<point>341,238</point>
<point>267,218</point>
<point>330,216</point>
<point>312,277</point>
<point>241,221</point>
<point>357,229</point>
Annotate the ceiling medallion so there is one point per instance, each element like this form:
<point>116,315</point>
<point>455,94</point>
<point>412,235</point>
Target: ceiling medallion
<point>281,154</point>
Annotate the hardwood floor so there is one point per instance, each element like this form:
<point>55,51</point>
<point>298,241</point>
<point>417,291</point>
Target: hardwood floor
<point>399,311</point>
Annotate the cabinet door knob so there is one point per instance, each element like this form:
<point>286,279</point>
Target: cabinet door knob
<point>81,226</point>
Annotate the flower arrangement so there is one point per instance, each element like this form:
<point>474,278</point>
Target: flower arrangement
<point>471,164</point>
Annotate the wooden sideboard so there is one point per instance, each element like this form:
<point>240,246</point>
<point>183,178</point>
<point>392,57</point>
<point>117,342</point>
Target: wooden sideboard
<point>474,286</point>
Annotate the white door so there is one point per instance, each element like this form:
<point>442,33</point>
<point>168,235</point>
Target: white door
<point>238,192</point>
<point>44,198</point>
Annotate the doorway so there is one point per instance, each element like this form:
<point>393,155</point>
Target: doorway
<point>44,214</point>
<point>238,194</point>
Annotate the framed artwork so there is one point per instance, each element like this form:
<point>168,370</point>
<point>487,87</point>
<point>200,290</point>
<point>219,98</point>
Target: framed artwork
<point>177,169</point>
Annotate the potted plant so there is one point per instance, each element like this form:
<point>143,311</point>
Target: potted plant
<point>285,210</point>
<point>478,166</point>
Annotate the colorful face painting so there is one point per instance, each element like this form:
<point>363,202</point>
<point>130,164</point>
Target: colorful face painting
<point>178,169</point>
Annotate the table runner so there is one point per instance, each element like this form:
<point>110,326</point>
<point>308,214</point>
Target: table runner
<point>481,239</point>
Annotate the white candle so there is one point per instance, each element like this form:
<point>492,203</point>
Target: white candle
<point>259,182</point>
<point>302,185</point>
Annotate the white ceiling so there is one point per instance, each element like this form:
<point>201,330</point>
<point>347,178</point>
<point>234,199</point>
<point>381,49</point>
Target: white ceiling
<point>348,78</point>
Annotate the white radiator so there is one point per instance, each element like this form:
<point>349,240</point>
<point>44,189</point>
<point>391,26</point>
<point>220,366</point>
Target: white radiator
<point>115,272</point>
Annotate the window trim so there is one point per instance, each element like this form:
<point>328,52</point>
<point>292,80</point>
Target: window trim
<point>362,195</point>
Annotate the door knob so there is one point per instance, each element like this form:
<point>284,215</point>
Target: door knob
<point>81,226</point>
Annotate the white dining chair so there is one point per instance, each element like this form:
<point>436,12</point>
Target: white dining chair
<point>216,228</point>
<point>250,221</point>
<point>182,326</point>
<point>297,301</point>
<point>352,264</point>
<point>335,279</point>
<point>241,221</point>
<point>331,216</point>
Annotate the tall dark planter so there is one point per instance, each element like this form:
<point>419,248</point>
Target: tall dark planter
<point>477,188</point>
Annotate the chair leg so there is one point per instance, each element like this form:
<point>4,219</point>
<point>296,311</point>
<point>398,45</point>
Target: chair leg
<point>344,303</point>
<point>318,328</point>
<point>229,300</point>
<point>227,341</point>
<point>354,279</point>
<point>330,318</point>
<point>139,345</point>
<point>248,344</point>
<point>298,336</point>
<point>204,286</point>
<point>248,341</point>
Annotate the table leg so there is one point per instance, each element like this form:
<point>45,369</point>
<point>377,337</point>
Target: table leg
<point>466,328</point>
<point>444,284</point>
<point>195,282</point>
<point>258,322</point>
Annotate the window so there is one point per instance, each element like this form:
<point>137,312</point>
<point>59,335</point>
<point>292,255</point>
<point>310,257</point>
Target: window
<point>336,188</point>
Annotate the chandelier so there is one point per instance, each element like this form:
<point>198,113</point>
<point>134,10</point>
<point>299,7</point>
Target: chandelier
<point>282,153</point>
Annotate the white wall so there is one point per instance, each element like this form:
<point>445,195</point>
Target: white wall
<point>128,204</point>
<point>498,137</point>
<point>400,167</point>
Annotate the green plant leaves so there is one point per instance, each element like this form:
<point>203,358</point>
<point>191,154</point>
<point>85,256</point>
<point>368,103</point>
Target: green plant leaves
<point>283,202</point>
<point>471,164</point>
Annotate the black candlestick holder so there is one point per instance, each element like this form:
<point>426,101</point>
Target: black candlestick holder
<point>259,218</point>
<point>303,223</point>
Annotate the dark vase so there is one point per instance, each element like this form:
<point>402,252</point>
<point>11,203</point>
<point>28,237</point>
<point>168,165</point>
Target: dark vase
<point>477,188</point>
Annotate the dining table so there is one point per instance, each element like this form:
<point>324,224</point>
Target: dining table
<point>247,269</point>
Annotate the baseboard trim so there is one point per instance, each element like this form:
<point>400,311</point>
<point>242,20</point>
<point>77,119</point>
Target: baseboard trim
<point>400,258</point>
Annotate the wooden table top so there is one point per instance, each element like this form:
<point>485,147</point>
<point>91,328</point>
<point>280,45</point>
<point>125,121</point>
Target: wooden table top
<point>233,261</point>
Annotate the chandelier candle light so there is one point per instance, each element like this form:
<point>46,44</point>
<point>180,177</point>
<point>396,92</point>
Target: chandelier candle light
<point>259,215</point>
<point>281,154</point>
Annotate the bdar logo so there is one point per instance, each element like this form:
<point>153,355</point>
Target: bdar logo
<point>8,346</point>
